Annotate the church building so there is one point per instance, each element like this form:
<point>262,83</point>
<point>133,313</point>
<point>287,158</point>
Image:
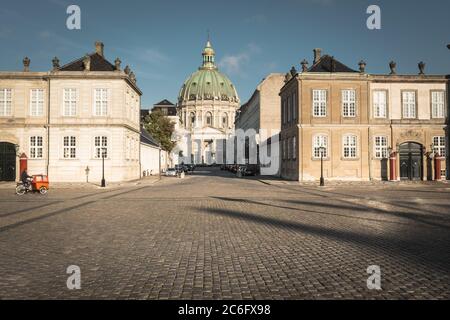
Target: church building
<point>207,104</point>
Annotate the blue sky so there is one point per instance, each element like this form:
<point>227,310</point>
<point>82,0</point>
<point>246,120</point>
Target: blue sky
<point>162,40</point>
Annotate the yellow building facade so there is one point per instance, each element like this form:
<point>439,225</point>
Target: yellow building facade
<point>360,126</point>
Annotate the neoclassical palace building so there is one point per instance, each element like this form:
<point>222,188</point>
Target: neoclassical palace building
<point>65,120</point>
<point>207,104</point>
<point>362,126</point>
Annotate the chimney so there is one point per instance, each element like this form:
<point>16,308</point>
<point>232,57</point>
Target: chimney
<point>99,48</point>
<point>317,53</point>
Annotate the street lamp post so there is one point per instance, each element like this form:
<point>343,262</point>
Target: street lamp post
<point>103,167</point>
<point>322,180</point>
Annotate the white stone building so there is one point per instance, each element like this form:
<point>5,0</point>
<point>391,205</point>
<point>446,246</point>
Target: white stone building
<point>64,119</point>
<point>206,107</point>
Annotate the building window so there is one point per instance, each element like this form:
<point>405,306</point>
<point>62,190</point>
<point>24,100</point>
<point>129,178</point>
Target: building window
<point>349,144</point>
<point>101,102</point>
<point>70,102</point>
<point>36,102</point>
<point>289,149</point>
<point>438,104</point>
<point>320,146</point>
<point>192,116</point>
<point>225,121</point>
<point>283,110</point>
<point>209,119</point>
<point>439,145</point>
<point>70,147</point>
<point>379,104</point>
<point>294,148</point>
<point>409,104</point>
<point>36,147</point>
<point>289,109</point>
<point>294,106</point>
<point>348,103</point>
<point>5,102</point>
<point>381,148</point>
<point>100,145</point>
<point>284,149</point>
<point>127,148</point>
<point>319,103</point>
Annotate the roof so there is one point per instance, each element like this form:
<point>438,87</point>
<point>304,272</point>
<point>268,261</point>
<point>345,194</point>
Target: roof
<point>329,64</point>
<point>166,110</point>
<point>207,83</point>
<point>164,102</point>
<point>147,138</point>
<point>98,63</point>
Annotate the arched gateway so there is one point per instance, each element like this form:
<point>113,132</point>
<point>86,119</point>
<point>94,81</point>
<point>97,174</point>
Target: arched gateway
<point>411,161</point>
<point>7,161</point>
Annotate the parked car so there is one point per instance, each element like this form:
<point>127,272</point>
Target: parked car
<point>171,172</point>
<point>248,170</point>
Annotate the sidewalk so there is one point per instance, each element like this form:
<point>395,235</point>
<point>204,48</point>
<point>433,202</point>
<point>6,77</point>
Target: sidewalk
<point>333,183</point>
<point>88,185</point>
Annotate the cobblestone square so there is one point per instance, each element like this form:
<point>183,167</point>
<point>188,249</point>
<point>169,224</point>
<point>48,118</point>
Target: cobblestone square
<point>214,236</point>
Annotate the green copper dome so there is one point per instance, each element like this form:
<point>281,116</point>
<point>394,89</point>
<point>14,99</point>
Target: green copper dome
<point>208,83</point>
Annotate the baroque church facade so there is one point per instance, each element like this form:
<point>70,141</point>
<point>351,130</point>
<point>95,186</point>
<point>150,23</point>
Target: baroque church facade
<point>207,104</point>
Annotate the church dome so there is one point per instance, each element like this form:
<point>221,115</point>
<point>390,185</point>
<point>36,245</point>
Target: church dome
<point>207,83</point>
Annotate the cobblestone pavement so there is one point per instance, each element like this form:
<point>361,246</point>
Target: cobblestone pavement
<point>213,236</point>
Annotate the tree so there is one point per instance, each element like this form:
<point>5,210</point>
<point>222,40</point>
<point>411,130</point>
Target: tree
<point>161,128</point>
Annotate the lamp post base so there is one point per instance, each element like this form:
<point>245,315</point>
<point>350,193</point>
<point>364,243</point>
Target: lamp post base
<point>322,182</point>
<point>103,183</point>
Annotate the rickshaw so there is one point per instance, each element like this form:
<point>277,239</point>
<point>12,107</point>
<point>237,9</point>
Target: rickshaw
<point>39,183</point>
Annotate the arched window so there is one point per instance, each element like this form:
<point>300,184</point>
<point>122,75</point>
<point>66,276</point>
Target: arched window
<point>208,119</point>
<point>225,120</point>
<point>192,119</point>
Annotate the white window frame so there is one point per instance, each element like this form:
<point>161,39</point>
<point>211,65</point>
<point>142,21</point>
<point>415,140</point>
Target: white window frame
<point>320,140</point>
<point>36,102</point>
<point>6,97</point>
<point>379,107</point>
<point>438,104</point>
<point>101,103</point>
<point>350,146</point>
<point>319,107</point>
<point>36,147</point>
<point>439,144</point>
<point>70,102</point>
<point>100,143</point>
<point>348,103</point>
<point>380,144</point>
<point>409,104</point>
<point>70,146</point>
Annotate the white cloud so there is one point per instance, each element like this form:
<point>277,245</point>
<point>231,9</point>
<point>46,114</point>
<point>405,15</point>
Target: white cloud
<point>63,42</point>
<point>235,63</point>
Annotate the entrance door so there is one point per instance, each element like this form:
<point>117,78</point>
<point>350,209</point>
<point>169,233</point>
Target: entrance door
<point>411,161</point>
<point>7,162</point>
